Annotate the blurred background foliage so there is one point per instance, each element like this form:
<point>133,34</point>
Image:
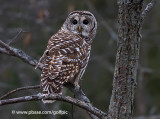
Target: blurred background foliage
<point>40,19</point>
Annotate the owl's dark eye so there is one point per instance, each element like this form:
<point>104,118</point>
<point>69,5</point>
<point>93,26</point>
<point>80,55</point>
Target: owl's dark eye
<point>74,21</point>
<point>85,22</point>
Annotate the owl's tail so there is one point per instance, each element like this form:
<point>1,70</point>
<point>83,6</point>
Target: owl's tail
<point>49,88</point>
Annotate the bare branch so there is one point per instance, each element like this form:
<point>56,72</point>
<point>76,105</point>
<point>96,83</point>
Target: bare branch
<point>4,45</point>
<point>79,94</point>
<point>68,99</point>
<point>29,60</point>
<point>4,51</point>
<point>147,9</point>
<point>19,53</point>
<point>19,89</point>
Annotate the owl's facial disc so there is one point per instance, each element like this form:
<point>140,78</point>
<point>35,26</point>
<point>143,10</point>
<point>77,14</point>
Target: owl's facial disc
<point>82,23</point>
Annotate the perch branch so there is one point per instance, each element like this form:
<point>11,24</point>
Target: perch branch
<point>79,94</point>
<point>68,99</point>
<point>8,50</point>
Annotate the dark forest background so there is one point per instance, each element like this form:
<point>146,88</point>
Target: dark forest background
<point>40,19</point>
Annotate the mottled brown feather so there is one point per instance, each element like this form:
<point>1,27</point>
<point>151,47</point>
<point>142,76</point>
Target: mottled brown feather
<point>63,59</point>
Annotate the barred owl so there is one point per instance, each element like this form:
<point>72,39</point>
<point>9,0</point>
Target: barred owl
<point>67,53</point>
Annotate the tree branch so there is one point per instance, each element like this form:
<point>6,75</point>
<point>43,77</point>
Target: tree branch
<point>68,99</point>
<point>147,9</point>
<point>18,53</point>
<point>15,37</point>
<point>4,51</point>
<point>19,89</point>
<point>79,94</point>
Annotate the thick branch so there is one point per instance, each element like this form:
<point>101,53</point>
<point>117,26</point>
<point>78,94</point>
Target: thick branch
<point>4,51</point>
<point>68,99</point>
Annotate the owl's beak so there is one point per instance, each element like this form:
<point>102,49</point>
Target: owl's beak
<point>80,28</point>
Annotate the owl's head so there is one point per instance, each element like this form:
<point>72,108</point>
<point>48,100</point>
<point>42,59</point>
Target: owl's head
<point>82,23</point>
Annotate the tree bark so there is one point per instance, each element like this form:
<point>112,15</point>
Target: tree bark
<point>124,81</point>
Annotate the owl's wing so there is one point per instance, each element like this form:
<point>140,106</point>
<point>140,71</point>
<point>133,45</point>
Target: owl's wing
<point>62,61</point>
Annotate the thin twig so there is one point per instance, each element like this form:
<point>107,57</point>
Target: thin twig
<point>147,9</point>
<point>15,37</point>
<point>68,99</point>
<point>19,89</point>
